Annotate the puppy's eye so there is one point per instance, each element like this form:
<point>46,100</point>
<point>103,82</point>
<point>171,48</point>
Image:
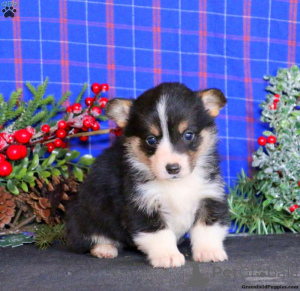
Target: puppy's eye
<point>151,140</point>
<point>188,135</point>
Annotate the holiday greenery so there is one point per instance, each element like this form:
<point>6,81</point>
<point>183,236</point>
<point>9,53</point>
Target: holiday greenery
<point>38,173</point>
<point>269,201</point>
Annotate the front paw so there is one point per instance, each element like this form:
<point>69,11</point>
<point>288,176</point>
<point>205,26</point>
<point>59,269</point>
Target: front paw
<point>167,260</point>
<point>210,254</point>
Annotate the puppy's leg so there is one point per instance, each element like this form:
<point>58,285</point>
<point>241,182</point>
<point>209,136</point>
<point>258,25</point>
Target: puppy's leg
<point>160,247</point>
<point>104,247</point>
<point>209,231</point>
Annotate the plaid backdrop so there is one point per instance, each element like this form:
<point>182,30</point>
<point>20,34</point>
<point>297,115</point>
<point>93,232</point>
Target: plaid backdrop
<point>135,44</point>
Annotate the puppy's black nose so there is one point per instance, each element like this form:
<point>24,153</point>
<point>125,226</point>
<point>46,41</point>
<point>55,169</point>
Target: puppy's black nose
<point>173,168</point>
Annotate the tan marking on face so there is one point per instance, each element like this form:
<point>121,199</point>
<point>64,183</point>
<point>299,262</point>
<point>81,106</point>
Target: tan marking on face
<point>208,141</point>
<point>182,127</point>
<point>134,144</point>
<point>154,130</point>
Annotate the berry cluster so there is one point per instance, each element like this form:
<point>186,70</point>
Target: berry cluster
<point>13,146</point>
<point>273,106</point>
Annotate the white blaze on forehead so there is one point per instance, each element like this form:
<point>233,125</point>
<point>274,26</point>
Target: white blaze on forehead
<point>165,153</point>
<point>163,117</point>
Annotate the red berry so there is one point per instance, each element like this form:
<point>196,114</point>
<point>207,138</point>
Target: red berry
<point>84,138</point>
<point>10,138</point>
<point>277,95</point>
<point>62,124</point>
<point>45,128</point>
<point>96,111</point>
<point>273,106</point>
<point>87,121</point>
<point>69,109</point>
<point>22,136</point>
<point>64,145</point>
<point>96,126</point>
<point>61,133</point>
<point>276,98</point>
<point>271,139</point>
<point>51,147</point>
<point>23,150</point>
<point>117,131</point>
<point>76,130</point>
<point>294,207</point>
<point>262,141</point>
<point>31,130</point>
<point>84,129</point>
<point>89,101</point>
<point>2,158</point>
<point>102,102</point>
<point>76,108</point>
<point>96,88</point>
<point>5,169</point>
<point>299,183</point>
<point>14,152</point>
<point>104,87</point>
<point>58,143</point>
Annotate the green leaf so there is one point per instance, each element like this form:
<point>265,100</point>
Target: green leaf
<point>60,163</point>
<point>78,173</point>
<point>60,152</point>
<point>86,160</point>
<point>45,174</point>
<point>55,172</point>
<point>267,133</point>
<point>34,163</point>
<point>49,161</point>
<point>72,155</point>
<point>24,186</point>
<point>11,186</point>
<point>21,174</point>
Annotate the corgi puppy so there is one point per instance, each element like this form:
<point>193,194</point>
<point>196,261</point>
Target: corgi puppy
<point>158,181</point>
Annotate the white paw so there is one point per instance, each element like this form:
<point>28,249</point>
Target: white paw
<point>210,254</point>
<point>107,251</point>
<point>167,260</point>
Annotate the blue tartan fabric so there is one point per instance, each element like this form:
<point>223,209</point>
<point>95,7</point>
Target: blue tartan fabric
<point>133,45</point>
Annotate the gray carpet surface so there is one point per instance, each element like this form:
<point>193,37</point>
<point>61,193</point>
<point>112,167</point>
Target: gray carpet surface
<point>259,261</point>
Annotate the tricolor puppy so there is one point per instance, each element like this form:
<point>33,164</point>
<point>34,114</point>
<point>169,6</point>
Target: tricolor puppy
<point>159,180</point>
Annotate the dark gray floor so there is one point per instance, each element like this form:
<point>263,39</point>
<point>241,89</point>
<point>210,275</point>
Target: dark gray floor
<point>257,260</point>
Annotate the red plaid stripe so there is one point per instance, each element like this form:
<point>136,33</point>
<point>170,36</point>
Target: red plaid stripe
<point>64,47</point>
<point>111,79</point>
<point>157,42</point>
<point>18,49</point>
<point>202,44</point>
<point>292,31</point>
<point>248,83</point>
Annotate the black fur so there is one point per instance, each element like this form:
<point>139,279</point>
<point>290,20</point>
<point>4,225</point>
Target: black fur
<point>104,204</point>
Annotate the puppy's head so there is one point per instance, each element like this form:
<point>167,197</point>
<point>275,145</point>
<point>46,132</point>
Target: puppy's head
<point>168,128</point>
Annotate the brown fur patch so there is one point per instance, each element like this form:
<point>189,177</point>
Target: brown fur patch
<point>182,127</point>
<point>154,130</point>
<point>208,141</point>
<point>118,110</point>
<point>133,144</point>
<point>213,100</point>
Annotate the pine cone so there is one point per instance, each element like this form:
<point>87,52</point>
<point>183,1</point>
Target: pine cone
<point>41,207</point>
<point>7,207</point>
<point>48,199</point>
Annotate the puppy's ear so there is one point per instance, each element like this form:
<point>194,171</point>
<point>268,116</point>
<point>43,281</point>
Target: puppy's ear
<point>118,110</point>
<point>213,100</point>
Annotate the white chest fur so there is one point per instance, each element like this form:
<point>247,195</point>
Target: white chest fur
<point>177,200</point>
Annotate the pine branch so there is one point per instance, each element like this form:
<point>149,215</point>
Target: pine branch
<point>79,97</point>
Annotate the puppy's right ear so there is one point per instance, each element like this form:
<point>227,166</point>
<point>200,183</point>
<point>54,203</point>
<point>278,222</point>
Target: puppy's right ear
<point>118,110</point>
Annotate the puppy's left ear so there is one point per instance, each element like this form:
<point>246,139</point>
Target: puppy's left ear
<point>118,110</point>
<point>213,100</point>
